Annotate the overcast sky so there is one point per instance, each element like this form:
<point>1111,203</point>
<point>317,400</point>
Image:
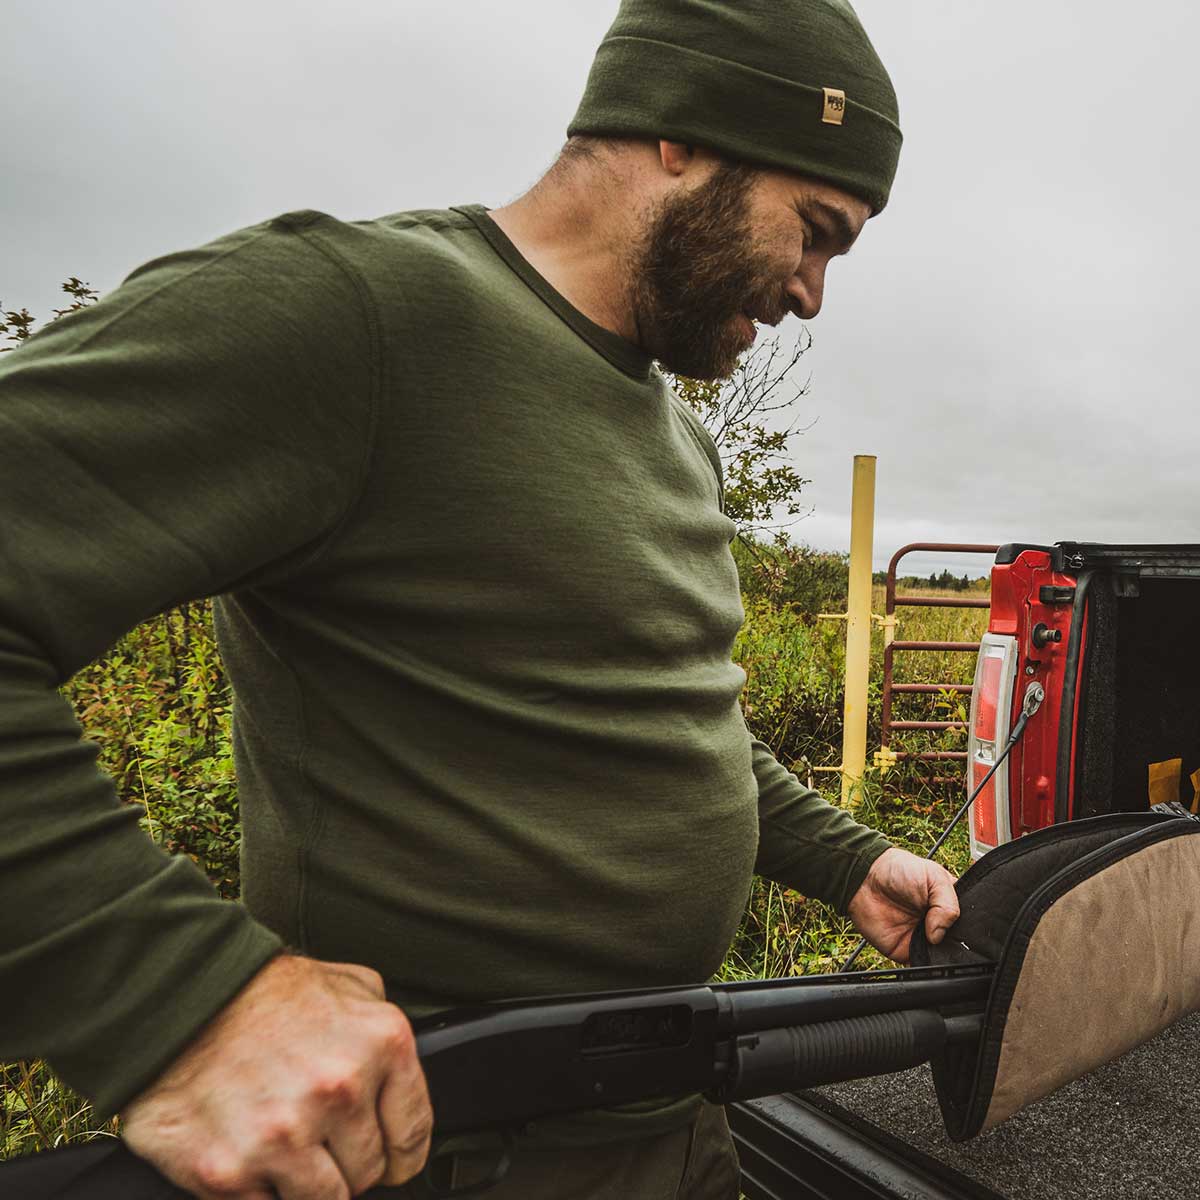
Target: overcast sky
<point>1013,337</point>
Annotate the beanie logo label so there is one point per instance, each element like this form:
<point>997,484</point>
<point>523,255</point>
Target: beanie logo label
<point>835,106</point>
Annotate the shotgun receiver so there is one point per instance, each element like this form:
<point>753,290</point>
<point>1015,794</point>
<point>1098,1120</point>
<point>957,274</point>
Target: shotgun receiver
<point>498,1066</point>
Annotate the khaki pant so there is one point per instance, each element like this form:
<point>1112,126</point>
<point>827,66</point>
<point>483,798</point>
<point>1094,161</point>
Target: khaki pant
<point>697,1162</point>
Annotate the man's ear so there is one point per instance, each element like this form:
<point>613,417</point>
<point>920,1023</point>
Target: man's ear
<point>676,157</point>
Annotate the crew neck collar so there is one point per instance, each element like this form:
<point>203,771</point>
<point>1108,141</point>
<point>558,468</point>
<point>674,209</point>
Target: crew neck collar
<point>624,355</point>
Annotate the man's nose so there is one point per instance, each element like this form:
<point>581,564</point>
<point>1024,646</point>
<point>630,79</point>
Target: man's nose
<point>807,288</point>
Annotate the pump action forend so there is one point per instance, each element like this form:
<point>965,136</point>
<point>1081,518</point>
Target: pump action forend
<point>497,1066</point>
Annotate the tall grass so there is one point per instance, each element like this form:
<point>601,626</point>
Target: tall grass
<point>158,705</point>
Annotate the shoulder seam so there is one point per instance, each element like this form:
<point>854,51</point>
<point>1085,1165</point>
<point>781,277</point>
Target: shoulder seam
<point>203,266</point>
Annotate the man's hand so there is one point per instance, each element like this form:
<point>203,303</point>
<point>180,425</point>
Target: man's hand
<point>306,1086</point>
<point>898,891</point>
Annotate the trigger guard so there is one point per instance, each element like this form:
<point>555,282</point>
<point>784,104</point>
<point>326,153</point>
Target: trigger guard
<point>499,1168</point>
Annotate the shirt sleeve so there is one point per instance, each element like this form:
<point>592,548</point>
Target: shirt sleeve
<point>806,843</point>
<point>202,429</point>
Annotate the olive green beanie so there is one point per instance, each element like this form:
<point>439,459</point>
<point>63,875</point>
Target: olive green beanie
<point>782,83</point>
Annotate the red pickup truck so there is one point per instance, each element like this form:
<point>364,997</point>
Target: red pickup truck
<point>1109,634</point>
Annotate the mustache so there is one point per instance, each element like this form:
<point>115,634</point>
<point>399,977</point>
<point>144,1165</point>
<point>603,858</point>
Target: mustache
<point>769,309</point>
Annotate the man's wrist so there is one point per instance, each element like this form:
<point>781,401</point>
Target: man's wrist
<point>858,873</point>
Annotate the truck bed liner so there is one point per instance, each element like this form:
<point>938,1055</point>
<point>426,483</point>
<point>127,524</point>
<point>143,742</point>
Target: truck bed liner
<point>1131,1128</point>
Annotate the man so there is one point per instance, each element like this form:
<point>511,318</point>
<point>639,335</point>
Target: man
<point>475,597</point>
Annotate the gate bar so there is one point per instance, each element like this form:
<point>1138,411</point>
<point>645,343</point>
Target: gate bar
<point>887,725</point>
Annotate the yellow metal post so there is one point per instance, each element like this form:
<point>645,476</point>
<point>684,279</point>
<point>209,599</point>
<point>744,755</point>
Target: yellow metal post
<point>858,624</point>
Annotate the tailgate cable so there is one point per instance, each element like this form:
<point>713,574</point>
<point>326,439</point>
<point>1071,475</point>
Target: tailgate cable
<point>1034,695</point>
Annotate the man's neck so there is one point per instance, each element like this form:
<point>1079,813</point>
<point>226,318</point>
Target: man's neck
<point>580,240</point>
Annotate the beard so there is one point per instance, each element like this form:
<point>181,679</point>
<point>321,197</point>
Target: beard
<point>698,271</point>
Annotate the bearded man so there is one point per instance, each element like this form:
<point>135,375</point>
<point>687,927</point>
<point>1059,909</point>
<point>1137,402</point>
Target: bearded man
<point>475,596</point>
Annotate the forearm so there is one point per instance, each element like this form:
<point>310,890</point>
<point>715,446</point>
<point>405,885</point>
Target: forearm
<point>805,842</point>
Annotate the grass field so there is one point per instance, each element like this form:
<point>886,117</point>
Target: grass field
<point>158,705</point>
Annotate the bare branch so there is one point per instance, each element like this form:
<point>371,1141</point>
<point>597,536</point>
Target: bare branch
<point>738,413</point>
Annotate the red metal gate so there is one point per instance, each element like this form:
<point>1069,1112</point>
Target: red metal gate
<point>892,647</point>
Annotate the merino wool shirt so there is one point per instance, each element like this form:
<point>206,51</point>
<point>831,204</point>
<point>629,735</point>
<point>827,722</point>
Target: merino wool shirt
<point>475,597</point>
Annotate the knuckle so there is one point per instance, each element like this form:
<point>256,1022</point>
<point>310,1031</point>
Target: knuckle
<point>277,1132</point>
<point>221,1175</point>
<point>397,1035</point>
<point>403,1167</point>
<point>367,976</point>
<point>338,1090</point>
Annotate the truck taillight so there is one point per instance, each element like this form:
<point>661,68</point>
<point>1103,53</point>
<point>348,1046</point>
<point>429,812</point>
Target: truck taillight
<point>991,707</point>
<point>987,691</point>
<point>983,811</point>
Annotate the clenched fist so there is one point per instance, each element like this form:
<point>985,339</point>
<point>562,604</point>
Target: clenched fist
<point>306,1086</point>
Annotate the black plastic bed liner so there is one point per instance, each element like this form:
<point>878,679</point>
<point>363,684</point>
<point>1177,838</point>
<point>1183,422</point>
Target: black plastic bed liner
<point>1129,1130</point>
<point>802,1147</point>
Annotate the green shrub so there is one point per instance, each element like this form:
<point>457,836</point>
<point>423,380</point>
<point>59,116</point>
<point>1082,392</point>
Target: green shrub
<point>158,705</point>
<point>781,574</point>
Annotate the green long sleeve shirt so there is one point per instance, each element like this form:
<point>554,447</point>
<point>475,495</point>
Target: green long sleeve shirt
<point>475,596</point>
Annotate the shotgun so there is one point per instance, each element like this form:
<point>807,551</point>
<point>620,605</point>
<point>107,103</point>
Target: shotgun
<point>494,1067</point>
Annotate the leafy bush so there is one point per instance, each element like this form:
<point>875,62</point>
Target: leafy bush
<point>792,575</point>
<point>158,705</point>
